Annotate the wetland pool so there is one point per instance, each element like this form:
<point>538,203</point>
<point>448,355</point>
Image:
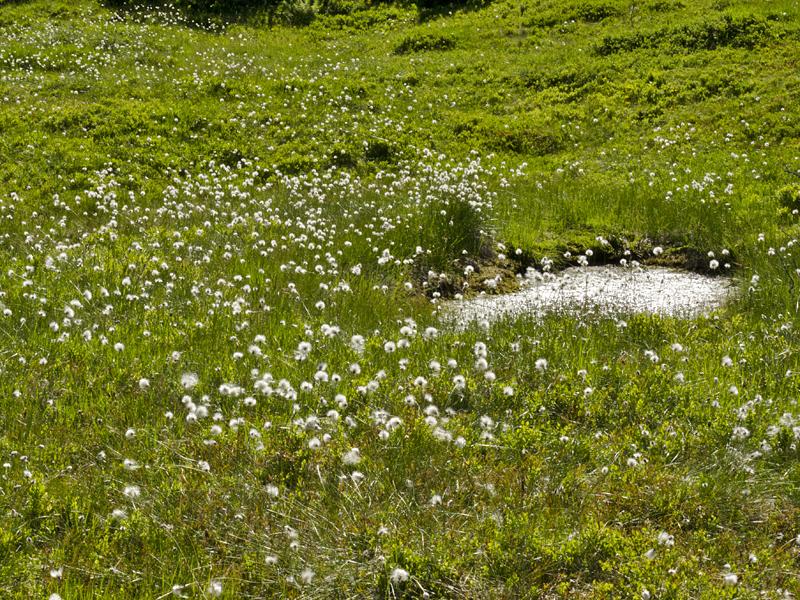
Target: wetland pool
<point>604,291</point>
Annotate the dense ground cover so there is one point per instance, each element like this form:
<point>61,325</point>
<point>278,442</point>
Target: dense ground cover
<point>224,247</point>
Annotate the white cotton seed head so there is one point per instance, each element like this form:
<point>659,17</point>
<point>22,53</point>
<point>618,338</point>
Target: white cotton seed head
<point>399,576</point>
<point>215,588</point>
<point>352,457</point>
<point>307,576</point>
<point>189,380</point>
<point>132,491</point>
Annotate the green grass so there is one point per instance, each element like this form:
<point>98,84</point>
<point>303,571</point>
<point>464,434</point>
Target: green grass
<point>212,195</point>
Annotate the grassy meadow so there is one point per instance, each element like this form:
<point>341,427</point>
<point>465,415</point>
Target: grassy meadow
<point>225,243</point>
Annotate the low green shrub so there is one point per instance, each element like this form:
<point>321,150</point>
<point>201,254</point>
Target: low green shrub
<point>734,32</point>
<point>424,43</point>
<point>789,196</point>
<point>594,12</point>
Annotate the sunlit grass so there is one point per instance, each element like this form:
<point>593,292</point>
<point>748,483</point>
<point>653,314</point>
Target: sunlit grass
<point>225,248</point>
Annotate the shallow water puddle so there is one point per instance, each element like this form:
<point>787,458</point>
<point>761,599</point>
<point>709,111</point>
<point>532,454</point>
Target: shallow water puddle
<point>600,290</point>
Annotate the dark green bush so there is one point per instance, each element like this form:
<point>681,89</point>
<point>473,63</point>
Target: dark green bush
<point>294,12</point>
<point>378,151</point>
<point>663,6</point>
<point>439,5</point>
<point>593,12</point>
<point>524,138</point>
<point>337,7</point>
<point>343,156</point>
<point>288,10</point>
<point>789,196</point>
<point>746,32</point>
<point>742,32</point>
<point>422,43</point>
